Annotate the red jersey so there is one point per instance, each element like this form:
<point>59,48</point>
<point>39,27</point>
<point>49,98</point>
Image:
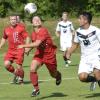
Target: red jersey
<point>47,45</point>
<point>15,35</point>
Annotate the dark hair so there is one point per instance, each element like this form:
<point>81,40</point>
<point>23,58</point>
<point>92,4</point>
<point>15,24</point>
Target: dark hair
<point>88,15</point>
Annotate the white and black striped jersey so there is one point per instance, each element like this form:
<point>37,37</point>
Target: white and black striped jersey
<point>65,29</point>
<point>89,40</point>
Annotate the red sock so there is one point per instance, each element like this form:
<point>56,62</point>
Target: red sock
<point>19,72</point>
<point>10,68</point>
<point>34,79</point>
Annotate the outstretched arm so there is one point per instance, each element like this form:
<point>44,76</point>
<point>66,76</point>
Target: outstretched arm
<point>71,50</point>
<point>2,42</point>
<point>31,45</point>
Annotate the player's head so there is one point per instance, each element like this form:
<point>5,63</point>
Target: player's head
<point>13,19</point>
<point>36,21</point>
<point>85,18</point>
<point>65,16</point>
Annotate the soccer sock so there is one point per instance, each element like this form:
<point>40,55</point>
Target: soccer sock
<point>99,83</point>
<point>10,68</point>
<point>65,59</point>
<point>20,73</point>
<point>91,79</point>
<point>58,75</point>
<point>34,79</point>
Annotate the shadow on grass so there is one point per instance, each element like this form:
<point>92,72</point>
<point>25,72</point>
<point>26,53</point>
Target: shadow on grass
<point>29,82</point>
<point>53,95</point>
<point>93,95</point>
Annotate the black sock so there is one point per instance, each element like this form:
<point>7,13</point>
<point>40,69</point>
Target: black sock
<point>65,59</point>
<point>99,83</point>
<point>91,79</point>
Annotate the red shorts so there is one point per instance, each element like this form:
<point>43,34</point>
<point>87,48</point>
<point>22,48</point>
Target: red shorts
<point>48,59</point>
<point>15,56</point>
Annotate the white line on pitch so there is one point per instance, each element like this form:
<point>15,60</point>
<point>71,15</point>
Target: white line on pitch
<point>47,80</point>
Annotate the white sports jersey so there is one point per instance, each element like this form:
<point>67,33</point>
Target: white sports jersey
<point>89,40</point>
<point>65,29</point>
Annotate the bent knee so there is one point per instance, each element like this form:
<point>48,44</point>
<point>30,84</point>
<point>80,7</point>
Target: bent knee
<point>83,77</point>
<point>6,63</point>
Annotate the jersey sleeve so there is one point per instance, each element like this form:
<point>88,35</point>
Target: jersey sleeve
<point>24,33</point>
<point>98,33</point>
<point>76,40</point>
<point>58,27</point>
<point>5,35</point>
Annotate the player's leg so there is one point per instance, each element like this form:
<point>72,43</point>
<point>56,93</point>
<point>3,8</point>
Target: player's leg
<point>66,60</point>
<point>97,75</point>
<point>34,76</point>
<point>54,73</point>
<point>8,66</point>
<point>51,65</point>
<point>19,72</point>
<point>85,76</point>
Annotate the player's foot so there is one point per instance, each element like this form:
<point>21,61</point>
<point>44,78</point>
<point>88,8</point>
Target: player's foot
<point>15,80</point>
<point>58,79</point>
<point>35,93</point>
<point>92,86</point>
<point>69,61</point>
<point>20,81</point>
<point>66,65</point>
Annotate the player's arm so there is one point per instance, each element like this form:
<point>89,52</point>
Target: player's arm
<point>2,42</point>
<point>58,30</point>
<point>57,33</point>
<point>71,50</point>
<point>72,31</point>
<point>27,41</point>
<point>31,45</point>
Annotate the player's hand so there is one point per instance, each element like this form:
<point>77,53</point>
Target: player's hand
<point>27,50</point>
<point>20,46</point>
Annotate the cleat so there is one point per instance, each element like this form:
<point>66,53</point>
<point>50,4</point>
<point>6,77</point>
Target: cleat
<point>20,81</point>
<point>58,79</point>
<point>68,61</point>
<point>92,86</point>
<point>66,65</point>
<point>15,80</point>
<point>35,93</point>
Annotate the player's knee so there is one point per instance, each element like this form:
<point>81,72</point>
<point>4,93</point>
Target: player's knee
<point>6,63</point>
<point>83,77</point>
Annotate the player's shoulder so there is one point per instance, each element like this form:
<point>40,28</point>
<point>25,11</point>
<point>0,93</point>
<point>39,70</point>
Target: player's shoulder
<point>43,29</point>
<point>21,25</point>
<point>69,22</point>
<point>8,27</point>
<point>94,27</point>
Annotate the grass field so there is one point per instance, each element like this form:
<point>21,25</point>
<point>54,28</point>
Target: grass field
<point>70,89</point>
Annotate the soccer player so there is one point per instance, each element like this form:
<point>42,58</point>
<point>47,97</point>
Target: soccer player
<point>88,37</point>
<point>16,35</point>
<point>65,31</point>
<point>45,54</point>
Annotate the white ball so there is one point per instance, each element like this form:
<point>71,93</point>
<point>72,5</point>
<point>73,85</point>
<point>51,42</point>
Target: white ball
<point>30,8</point>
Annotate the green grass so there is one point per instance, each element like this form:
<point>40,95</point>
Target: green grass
<point>70,89</point>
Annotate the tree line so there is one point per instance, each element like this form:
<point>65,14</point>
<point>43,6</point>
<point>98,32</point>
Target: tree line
<point>50,8</point>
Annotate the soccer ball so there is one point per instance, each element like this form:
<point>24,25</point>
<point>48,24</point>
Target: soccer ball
<point>30,8</point>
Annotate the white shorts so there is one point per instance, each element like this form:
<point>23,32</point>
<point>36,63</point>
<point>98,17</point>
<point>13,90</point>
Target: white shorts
<point>88,64</point>
<point>64,45</point>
